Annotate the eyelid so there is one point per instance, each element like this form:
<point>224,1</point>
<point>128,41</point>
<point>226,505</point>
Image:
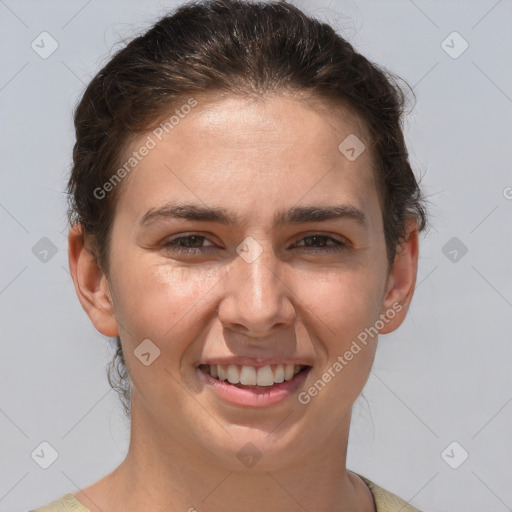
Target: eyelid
<point>337,246</point>
<point>187,235</point>
<point>321,234</point>
<point>299,238</point>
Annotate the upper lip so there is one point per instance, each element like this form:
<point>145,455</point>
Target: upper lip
<point>255,362</point>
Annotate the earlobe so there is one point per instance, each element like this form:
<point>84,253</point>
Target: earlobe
<point>91,283</point>
<point>402,281</point>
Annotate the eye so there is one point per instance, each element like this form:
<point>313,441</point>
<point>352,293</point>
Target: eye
<point>322,243</point>
<point>193,244</point>
<point>190,244</point>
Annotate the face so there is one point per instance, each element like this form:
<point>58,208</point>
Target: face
<point>275,256</point>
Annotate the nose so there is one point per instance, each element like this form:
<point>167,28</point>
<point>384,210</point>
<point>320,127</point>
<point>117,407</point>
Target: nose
<point>257,299</point>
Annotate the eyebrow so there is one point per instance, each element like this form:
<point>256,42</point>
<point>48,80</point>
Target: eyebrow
<point>295,215</point>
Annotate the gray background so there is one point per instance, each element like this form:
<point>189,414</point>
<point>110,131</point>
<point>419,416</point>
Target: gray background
<point>444,376</point>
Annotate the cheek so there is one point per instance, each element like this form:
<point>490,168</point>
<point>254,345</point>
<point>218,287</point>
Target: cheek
<point>341,308</point>
<point>343,303</point>
<point>162,303</point>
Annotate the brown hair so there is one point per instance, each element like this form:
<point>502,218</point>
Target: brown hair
<point>232,47</point>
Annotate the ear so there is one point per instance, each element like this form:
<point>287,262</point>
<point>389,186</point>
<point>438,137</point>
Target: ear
<point>401,281</point>
<point>91,283</point>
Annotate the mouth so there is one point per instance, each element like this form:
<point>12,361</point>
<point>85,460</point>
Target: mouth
<point>250,377</point>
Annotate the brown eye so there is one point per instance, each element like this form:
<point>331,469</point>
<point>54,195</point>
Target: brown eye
<point>323,243</point>
<point>190,244</point>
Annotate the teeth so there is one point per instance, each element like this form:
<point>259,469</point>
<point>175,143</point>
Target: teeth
<point>221,372</point>
<point>279,373</point>
<point>250,376</point>
<point>265,377</point>
<point>233,374</point>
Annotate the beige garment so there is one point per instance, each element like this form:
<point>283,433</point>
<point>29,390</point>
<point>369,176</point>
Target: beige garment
<point>385,501</point>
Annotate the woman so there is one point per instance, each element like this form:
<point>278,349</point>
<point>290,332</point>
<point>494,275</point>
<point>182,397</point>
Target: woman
<point>244,222</point>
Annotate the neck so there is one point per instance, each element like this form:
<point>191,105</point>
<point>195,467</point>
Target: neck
<point>172,473</point>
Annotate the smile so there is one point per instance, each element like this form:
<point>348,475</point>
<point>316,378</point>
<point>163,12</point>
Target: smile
<point>250,376</point>
<point>254,387</point>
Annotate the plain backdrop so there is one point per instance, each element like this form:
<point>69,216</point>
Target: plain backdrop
<point>435,424</point>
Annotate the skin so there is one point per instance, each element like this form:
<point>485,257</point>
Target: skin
<point>253,158</point>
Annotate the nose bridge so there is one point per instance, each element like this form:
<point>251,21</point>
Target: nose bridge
<point>255,295</point>
<point>258,269</point>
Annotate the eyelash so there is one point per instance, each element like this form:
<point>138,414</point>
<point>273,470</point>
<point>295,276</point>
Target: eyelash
<point>171,245</point>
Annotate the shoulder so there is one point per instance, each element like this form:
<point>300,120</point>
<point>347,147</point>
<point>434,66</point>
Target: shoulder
<point>67,503</point>
<point>386,501</point>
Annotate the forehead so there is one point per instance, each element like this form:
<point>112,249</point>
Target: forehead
<point>252,156</point>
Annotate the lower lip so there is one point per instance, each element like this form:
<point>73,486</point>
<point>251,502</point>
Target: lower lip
<point>256,396</point>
